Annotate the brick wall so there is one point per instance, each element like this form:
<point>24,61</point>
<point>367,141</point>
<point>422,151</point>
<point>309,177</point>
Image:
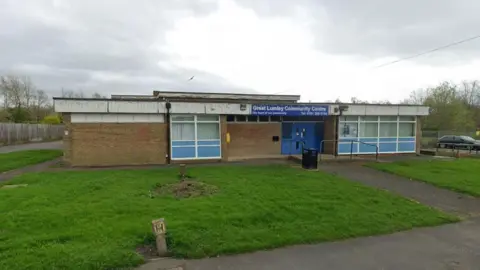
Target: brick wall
<point>253,140</point>
<point>329,134</point>
<point>118,144</point>
<point>67,139</point>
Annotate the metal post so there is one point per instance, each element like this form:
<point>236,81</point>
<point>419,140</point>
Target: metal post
<point>351,150</point>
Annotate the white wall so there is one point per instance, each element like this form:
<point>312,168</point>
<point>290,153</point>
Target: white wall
<point>116,118</point>
<point>108,106</point>
<point>153,107</point>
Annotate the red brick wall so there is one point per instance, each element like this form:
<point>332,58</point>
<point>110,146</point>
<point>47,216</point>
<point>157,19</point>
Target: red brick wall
<point>329,134</point>
<point>118,144</point>
<point>253,140</point>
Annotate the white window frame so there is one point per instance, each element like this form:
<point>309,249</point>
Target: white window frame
<point>195,123</point>
<point>359,120</point>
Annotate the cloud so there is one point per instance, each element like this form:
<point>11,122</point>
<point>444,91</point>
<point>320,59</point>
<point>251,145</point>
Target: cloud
<point>321,49</point>
<point>378,28</point>
<point>104,46</point>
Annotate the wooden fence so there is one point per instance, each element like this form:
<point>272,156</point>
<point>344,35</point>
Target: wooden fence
<point>12,133</point>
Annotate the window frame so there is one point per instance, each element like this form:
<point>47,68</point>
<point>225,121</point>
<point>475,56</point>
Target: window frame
<point>364,119</point>
<point>196,145</point>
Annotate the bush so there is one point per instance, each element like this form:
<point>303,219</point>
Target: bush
<point>52,119</point>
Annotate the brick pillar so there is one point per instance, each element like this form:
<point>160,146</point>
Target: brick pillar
<point>329,135</point>
<point>67,138</point>
<point>223,137</point>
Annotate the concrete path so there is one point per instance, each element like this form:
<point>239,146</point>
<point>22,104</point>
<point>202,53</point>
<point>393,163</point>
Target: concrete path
<point>443,199</point>
<point>449,247</point>
<point>31,146</point>
<point>453,246</point>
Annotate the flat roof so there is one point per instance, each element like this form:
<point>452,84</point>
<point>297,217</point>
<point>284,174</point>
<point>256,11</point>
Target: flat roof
<point>233,96</point>
<point>374,104</point>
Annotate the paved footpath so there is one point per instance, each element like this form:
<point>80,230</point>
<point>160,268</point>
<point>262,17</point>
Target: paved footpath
<point>31,146</point>
<point>449,247</point>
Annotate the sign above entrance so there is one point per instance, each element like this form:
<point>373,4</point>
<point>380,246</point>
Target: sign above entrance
<point>290,110</point>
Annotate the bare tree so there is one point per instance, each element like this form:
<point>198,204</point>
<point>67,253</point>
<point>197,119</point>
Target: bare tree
<point>66,93</point>
<point>40,103</point>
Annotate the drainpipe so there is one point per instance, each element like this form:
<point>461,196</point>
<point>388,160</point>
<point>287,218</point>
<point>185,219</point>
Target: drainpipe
<point>168,106</point>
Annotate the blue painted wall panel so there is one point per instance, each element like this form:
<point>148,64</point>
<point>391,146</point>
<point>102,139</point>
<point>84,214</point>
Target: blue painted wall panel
<point>364,148</point>
<point>208,151</point>
<point>388,140</point>
<point>183,143</point>
<point>387,147</point>
<point>345,148</point>
<point>406,147</point>
<point>406,139</point>
<point>183,152</point>
<point>214,142</point>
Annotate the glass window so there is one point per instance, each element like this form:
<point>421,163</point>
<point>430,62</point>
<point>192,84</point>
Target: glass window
<point>207,118</point>
<point>275,118</point>
<point>241,118</point>
<point>369,118</point>
<point>468,139</point>
<point>263,118</point>
<point>407,118</point>
<point>388,118</point>
<point>349,118</point>
<point>183,118</point>
<point>348,130</point>
<point>183,131</point>
<point>230,118</point>
<point>368,130</point>
<point>252,118</point>
<point>406,129</point>
<point>388,130</point>
<point>208,131</point>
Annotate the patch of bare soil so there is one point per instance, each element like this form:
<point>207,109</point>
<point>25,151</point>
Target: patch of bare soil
<point>187,189</point>
<point>147,251</point>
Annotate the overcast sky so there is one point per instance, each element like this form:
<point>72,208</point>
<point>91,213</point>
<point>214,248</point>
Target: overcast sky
<point>320,49</point>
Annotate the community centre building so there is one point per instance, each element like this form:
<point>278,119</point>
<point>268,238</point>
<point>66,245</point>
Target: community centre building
<point>180,127</point>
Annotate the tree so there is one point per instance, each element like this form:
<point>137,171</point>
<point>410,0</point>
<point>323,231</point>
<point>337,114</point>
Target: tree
<point>53,119</point>
<point>17,92</point>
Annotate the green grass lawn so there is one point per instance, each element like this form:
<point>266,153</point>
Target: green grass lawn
<point>96,219</point>
<point>15,160</point>
<point>462,175</point>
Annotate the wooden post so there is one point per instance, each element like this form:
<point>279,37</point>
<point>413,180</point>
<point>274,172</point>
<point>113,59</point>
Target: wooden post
<point>183,171</point>
<point>158,228</point>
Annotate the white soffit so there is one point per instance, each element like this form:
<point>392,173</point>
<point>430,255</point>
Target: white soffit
<point>116,118</point>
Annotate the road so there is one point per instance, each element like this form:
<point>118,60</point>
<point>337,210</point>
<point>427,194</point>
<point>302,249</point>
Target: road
<point>31,146</point>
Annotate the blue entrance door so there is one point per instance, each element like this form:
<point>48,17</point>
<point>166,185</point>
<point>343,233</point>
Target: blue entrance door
<point>297,135</point>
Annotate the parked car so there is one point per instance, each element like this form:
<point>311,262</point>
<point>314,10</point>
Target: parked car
<point>458,142</point>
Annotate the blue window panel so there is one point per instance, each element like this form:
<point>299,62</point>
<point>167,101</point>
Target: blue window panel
<point>208,151</point>
<point>346,139</point>
<point>345,148</point>
<point>215,142</point>
<point>183,152</point>
<point>388,140</point>
<point>368,140</point>
<point>406,147</point>
<point>388,147</point>
<point>183,143</point>
<point>406,139</point>
<point>367,148</point>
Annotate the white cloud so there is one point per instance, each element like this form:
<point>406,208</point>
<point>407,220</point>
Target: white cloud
<point>278,54</point>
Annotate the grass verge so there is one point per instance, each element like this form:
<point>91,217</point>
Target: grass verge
<point>16,160</point>
<point>461,175</point>
<point>96,219</point>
